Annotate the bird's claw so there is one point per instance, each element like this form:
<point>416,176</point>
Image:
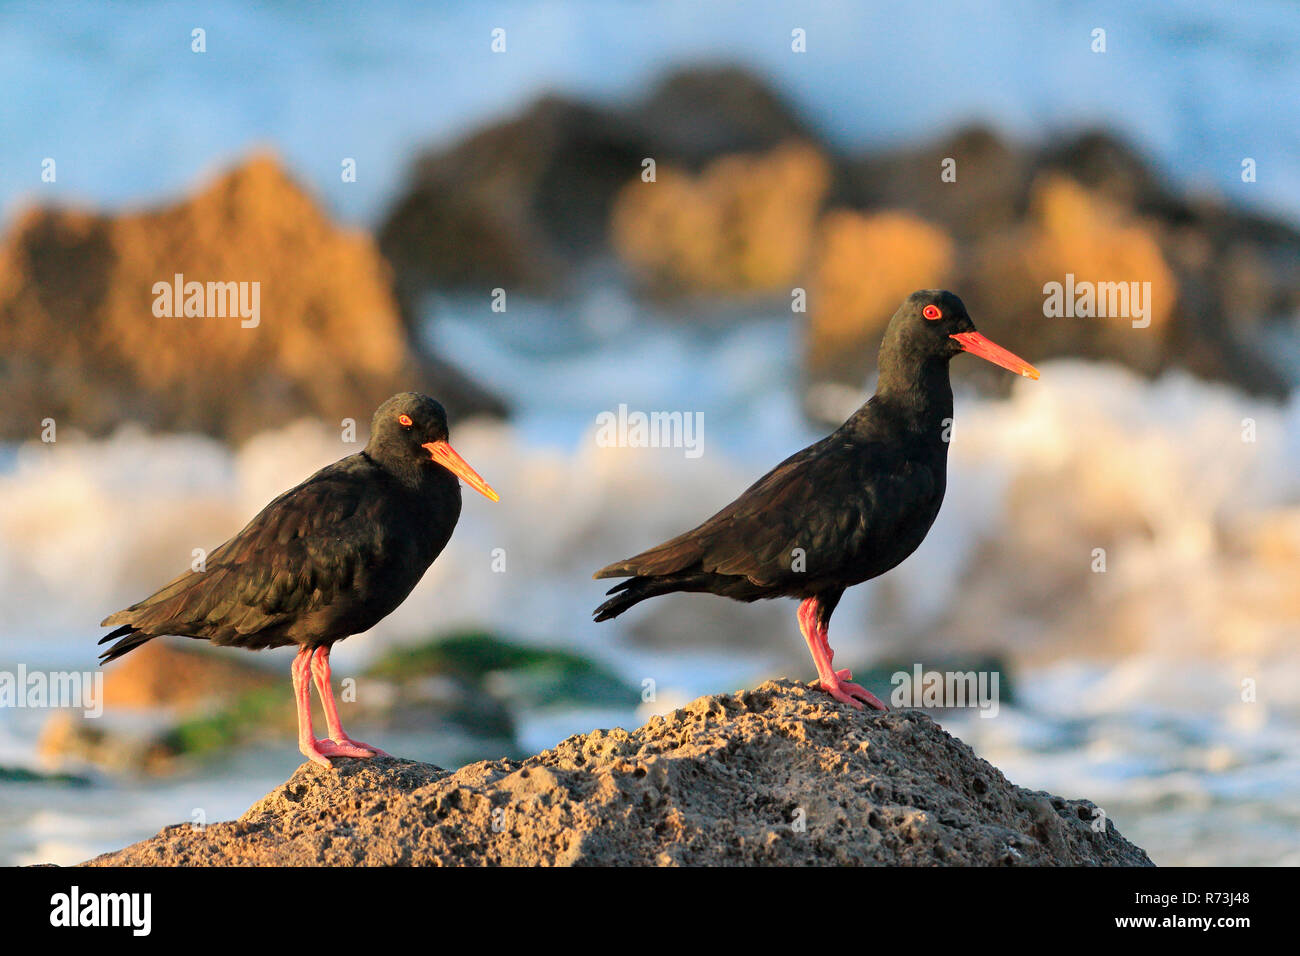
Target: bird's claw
<point>345,746</point>
<point>311,749</point>
<point>855,695</point>
<point>319,751</point>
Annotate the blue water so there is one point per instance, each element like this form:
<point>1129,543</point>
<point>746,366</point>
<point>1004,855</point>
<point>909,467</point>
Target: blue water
<point>114,94</point>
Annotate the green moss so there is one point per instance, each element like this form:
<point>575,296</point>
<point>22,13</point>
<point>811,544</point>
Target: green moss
<point>530,675</point>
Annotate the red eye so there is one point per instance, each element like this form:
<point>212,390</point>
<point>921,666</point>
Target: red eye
<point>932,312</point>
<point>404,420</point>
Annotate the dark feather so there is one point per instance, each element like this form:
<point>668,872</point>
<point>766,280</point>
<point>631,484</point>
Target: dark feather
<point>781,538</point>
<point>326,559</point>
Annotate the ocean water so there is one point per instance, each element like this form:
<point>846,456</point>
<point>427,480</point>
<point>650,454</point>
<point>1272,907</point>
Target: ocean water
<point>114,94</point>
<point>1129,683</point>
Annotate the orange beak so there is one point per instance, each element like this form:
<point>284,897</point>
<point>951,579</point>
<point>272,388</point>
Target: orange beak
<point>445,455</point>
<point>976,344</point>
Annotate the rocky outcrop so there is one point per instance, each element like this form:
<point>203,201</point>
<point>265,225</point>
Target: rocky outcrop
<point>742,227</point>
<point>778,775</point>
<point>738,211</point>
<point>517,203</point>
<point>294,314</point>
<point>863,267</point>
<point>511,205</point>
<point>1071,230</point>
<point>1092,206</point>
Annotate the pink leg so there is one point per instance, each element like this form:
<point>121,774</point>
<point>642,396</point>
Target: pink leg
<point>307,742</point>
<point>339,744</point>
<point>836,683</point>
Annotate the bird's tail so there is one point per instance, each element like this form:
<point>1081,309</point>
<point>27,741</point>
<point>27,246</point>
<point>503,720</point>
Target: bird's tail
<point>131,638</point>
<point>637,589</point>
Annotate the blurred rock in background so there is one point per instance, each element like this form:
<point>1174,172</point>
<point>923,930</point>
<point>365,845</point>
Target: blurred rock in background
<point>80,341</point>
<point>747,206</point>
<point>518,203</point>
<point>742,227</point>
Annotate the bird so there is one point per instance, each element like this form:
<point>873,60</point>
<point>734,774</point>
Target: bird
<point>328,558</point>
<point>845,509</point>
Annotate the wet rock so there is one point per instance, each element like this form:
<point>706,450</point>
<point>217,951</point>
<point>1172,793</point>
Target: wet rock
<point>1238,271</point>
<point>1070,230</point>
<point>146,697</point>
<point>18,775</point>
<point>987,193</point>
<point>181,675</point>
<point>697,114</point>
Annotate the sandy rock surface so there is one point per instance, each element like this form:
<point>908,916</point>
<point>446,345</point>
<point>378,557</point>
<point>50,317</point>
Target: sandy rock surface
<point>777,775</point>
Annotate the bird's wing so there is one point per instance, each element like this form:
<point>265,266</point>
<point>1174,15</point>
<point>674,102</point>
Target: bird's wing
<point>297,555</point>
<point>832,498</point>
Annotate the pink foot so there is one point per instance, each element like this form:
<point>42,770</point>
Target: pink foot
<point>855,695</point>
<point>319,751</point>
<point>311,749</point>
<point>347,747</point>
<point>836,683</point>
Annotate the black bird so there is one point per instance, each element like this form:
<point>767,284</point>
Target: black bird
<point>326,559</point>
<point>843,510</point>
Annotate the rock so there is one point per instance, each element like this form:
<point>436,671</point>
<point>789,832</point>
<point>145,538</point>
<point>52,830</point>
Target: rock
<point>696,114</point>
<point>130,743</point>
<point>517,203</point>
<point>1237,270</point>
<point>744,226</point>
<point>181,675</point>
<point>521,203</point>
<point>80,340</point>
<point>147,697</point>
<point>512,204</point>
<point>865,265</point>
<point>988,194</point>
<point>777,775</point>
<point>18,775</point>
<point>1091,205</point>
<point>1071,229</point>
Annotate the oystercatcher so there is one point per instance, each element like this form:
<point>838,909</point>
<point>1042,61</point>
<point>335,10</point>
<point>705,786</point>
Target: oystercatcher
<point>843,510</point>
<point>326,559</point>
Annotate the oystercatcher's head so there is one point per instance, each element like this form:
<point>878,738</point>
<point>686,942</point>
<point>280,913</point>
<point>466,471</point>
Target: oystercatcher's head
<point>411,429</point>
<point>934,322</point>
